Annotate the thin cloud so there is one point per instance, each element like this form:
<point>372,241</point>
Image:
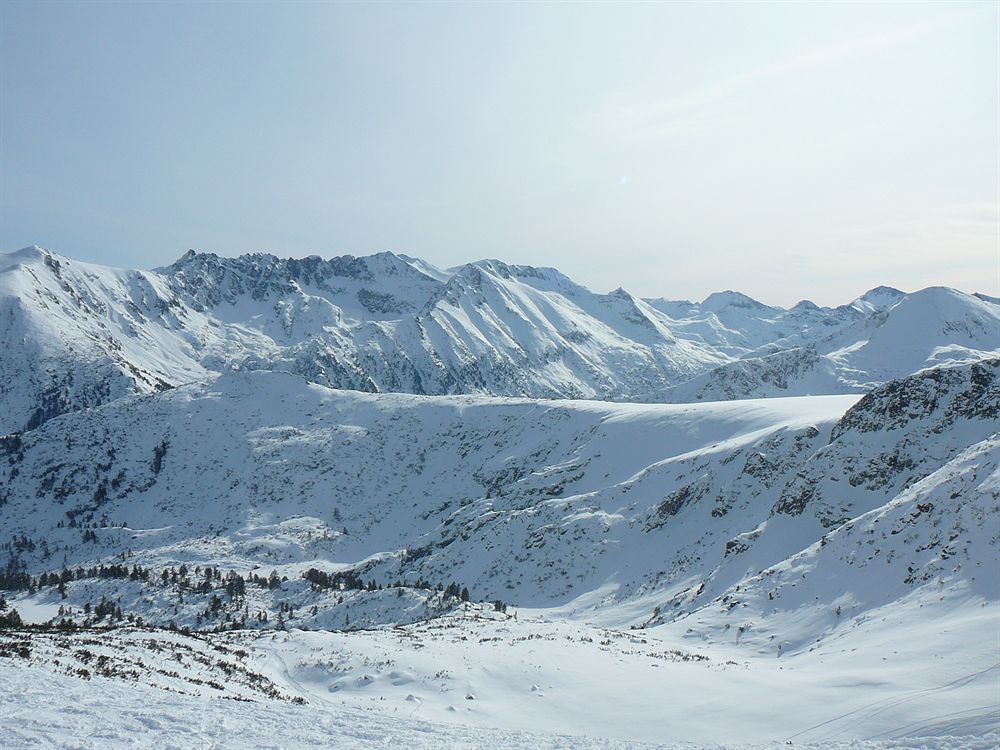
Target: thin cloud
<point>693,113</point>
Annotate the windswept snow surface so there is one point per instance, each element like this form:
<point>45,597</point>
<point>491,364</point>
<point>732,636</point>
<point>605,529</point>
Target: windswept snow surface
<point>43,710</point>
<point>490,681</point>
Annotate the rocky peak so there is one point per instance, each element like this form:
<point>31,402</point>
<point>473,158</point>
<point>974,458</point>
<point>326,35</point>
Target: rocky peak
<point>946,393</point>
<point>719,300</point>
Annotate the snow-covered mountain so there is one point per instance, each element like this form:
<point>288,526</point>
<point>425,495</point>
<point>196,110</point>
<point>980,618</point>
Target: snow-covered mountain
<point>728,533</point>
<point>355,490</point>
<point>541,503</point>
<point>742,326</point>
<point>882,335</point>
<point>76,335</point>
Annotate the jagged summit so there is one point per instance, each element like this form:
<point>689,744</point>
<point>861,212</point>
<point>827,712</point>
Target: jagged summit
<point>542,277</point>
<point>347,266</point>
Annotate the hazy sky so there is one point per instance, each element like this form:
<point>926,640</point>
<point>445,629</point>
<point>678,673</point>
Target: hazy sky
<point>785,150</point>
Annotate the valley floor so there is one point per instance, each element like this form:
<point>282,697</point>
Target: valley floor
<point>482,679</point>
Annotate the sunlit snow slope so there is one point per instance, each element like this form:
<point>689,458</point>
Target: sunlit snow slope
<point>76,335</point>
<point>658,508</point>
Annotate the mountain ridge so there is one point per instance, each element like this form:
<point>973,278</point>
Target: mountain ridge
<point>79,335</point>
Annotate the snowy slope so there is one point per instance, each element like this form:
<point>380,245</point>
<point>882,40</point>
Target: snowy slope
<point>923,329</point>
<point>799,559</point>
<point>741,326</point>
<point>281,467</point>
<point>881,336</point>
<point>583,505</point>
<point>800,371</point>
<point>934,541</point>
<point>76,338</point>
<point>497,682</point>
<point>76,335</point>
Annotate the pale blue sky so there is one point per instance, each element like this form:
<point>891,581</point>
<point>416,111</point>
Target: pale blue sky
<point>675,149</point>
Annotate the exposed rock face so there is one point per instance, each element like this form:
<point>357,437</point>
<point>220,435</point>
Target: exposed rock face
<point>940,396</point>
<point>893,437</point>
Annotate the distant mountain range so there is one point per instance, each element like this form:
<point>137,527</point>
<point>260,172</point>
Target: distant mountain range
<point>77,335</point>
